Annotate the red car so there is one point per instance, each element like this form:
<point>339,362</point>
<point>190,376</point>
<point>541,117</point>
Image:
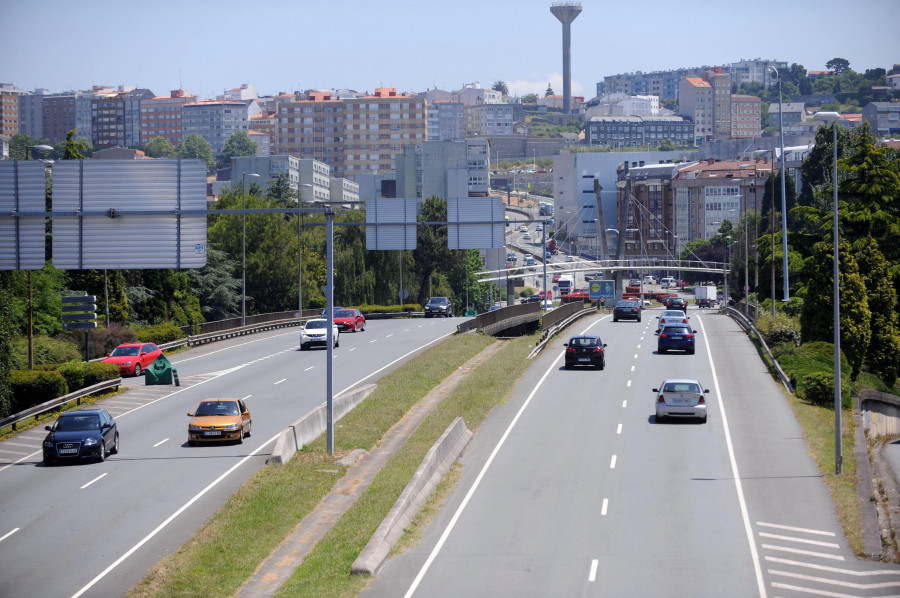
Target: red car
<point>133,358</point>
<point>349,320</point>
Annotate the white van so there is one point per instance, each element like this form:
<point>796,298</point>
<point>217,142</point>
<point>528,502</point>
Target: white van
<point>668,283</point>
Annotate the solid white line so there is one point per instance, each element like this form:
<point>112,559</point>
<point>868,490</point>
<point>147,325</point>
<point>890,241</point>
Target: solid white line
<point>823,555</point>
<point>796,529</point>
<point>832,569</point>
<point>102,475</point>
<point>801,540</point>
<point>232,347</point>
<point>160,442</point>
<point>171,518</point>
<point>592,576</point>
<point>440,544</point>
<point>619,429</point>
<point>604,506</point>
<point>834,582</point>
<point>612,463</point>
<point>247,397</point>
<point>280,381</point>
<point>8,534</point>
<point>748,529</point>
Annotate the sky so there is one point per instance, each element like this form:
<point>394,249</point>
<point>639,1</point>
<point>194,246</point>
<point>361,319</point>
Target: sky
<point>206,46</point>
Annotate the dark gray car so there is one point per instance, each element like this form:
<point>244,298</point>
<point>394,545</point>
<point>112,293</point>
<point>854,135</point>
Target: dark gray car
<point>439,306</point>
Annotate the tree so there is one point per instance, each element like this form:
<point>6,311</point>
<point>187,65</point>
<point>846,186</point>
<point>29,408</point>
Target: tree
<point>431,253</point>
<point>19,143</point>
<point>501,87</point>
<point>882,298</point>
<point>195,146</point>
<point>838,65</point>
<point>218,290</point>
<point>279,190</point>
<point>816,314</point>
<point>73,148</point>
<point>159,147</point>
<point>530,98</point>
<point>667,145</point>
<point>7,333</point>
<point>239,144</point>
<point>549,91</point>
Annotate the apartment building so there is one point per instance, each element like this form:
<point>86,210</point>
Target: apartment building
<point>9,108</point>
<point>492,119</point>
<point>790,113</point>
<point>646,212</point>
<point>64,111</point>
<point>721,86</point>
<point>311,177</point>
<point>883,118</point>
<point>446,169</point>
<point>473,94</point>
<point>215,121</point>
<point>376,127</point>
<point>746,116</point>
<point>344,191</point>
<point>636,131</point>
<point>696,102</point>
<point>116,117</point>
<point>162,116</point>
<point>446,120</point>
<point>312,128</point>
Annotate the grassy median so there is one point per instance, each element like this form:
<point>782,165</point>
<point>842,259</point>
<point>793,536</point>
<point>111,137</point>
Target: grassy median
<point>228,548</point>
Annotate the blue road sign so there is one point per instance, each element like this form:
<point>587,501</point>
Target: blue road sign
<point>602,289</point>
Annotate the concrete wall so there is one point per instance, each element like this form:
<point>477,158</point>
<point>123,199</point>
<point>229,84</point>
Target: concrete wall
<point>881,413</point>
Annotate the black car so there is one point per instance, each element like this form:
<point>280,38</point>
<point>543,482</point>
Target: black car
<point>704,302</point>
<point>81,434</point>
<point>439,306</point>
<point>627,309</point>
<point>676,303</point>
<point>679,338</point>
<point>585,350</point>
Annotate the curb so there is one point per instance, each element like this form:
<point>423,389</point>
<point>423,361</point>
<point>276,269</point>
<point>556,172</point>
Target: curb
<point>436,463</point>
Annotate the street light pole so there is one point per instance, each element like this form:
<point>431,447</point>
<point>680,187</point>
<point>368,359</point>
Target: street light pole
<point>784,246</point>
<point>833,117</point>
<point>43,148</point>
<point>727,266</point>
<point>244,248</point>
<point>300,252</point>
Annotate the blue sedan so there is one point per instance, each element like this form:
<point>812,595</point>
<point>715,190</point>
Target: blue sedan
<point>679,338</point>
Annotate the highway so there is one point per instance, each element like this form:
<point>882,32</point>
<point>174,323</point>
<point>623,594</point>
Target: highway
<point>573,489</point>
<point>95,529</point>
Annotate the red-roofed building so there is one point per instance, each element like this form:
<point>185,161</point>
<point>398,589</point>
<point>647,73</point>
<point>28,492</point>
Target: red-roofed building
<point>696,102</point>
<point>312,129</point>
<point>161,116</point>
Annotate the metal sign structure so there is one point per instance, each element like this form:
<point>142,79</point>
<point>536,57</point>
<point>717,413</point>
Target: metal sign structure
<point>391,223</point>
<point>22,189</point>
<point>602,289</point>
<point>79,312</point>
<point>476,223</point>
<point>129,214</point>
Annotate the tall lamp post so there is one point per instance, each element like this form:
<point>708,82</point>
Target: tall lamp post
<point>727,266</point>
<point>300,251</point>
<point>252,175</point>
<point>28,148</point>
<point>833,117</point>
<point>784,247</point>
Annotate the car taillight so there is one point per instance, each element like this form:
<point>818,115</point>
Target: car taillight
<point>598,349</point>
<point>702,401</point>
<point>663,335</point>
<point>661,399</point>
<point>688,335</point>
<point>570,350</point>
<point>684,321</point>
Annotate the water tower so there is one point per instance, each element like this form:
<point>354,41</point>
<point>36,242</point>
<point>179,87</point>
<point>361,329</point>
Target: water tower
<point>566,12</point>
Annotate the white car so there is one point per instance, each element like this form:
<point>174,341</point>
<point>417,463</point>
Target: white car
<point>523,229</point>
<point>670,317</point>
<point>315,332</point>
<point>527,236</point>
<point>570,258</point>
<point>680,397</point>
<point>539,228</point>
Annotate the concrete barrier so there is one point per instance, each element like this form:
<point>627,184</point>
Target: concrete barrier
<point>435,464</point>
<point>313,424</point>
<point>880,412</point>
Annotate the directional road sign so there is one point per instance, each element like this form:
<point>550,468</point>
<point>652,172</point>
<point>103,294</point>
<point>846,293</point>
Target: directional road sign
<point>602,289</point>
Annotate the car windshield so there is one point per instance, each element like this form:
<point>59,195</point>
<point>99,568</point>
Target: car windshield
<point>437,301</point>
<point>584,341</point>
<point>125,351</point>
<point>673,314</point>
<point>682,387</point>
<point>72,423</point>
<point>344,313</point>
<point>218,408</point>
<point>627,304</point>
<point>676,330</point>
<point>311,324</point>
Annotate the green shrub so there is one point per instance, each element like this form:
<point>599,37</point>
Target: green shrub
<point>780,329</point>
<point>73,372</point>
<point>160,333</point>
<point>818,389</point>
<point>104,340</point>
<point>33,387</point>
<point>46,350</point>
<point>96,372</point>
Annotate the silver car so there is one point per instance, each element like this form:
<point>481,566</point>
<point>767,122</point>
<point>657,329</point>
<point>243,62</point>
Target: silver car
<point>680,397</point>
<point>670,317</point>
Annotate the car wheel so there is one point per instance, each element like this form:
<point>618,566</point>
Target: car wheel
<point>115,447</point>
<point>48,462</point>
<point>191,443</point>
<point>690,352</point>
<point>615,319</point>
<point>567,366</point>
<point>660,418</point>
<point>363,329</point>
<point>101,456</point>
<point>603,364</point>
<point>240,438</point>
<point>703,420</point>
<point>661,350</point>
<point>248,429</point>
<point>303,347</point>
<point>137,369</point>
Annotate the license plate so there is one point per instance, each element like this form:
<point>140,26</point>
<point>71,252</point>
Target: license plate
<point>584,359</point>
<point>216,433</point>
<point>68,451</point>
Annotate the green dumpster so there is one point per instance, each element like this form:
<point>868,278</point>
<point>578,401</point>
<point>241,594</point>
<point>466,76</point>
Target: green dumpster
<point>160,372</point>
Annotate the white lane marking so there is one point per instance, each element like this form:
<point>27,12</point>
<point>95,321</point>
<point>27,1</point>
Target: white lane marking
<point>632,368</point>
<point>800,540</point>
<point>312,366</point>
<point>592,576</point>
<point>628,384</point>
<point>784,586</point>
<point>834,582</point>
<point>171,518</point>
<point>638,347</point>
<point>624,403</point>
<point>11,443</point>
<point>604,506</point>
<point>408,329</point>
<point>612,462</point>
<point>374,340</point>
<point>832,569</point>
<point>233,347</point>
<point>796,529</point>
<point>160,442</point>
<point>280,381</point>
<point>748,529</point>
<point>352,349</point>
<point>9,533</point>
<point>824,555</point>
<point>247,397</point>
<point>453,520</point>
<point>99,477</point>
<point>390,335</point>
<point>635,356</point>
<point>13,452</point>
<point>619,429</point>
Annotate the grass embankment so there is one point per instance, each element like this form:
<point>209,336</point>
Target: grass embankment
<point>817,422</point>
<point>229,547</point>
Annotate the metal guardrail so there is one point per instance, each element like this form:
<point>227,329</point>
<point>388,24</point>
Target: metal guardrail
<point>748,326</point>
<point>58,402</point>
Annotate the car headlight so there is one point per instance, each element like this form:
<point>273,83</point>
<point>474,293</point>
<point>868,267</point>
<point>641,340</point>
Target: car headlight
<point>48,444</point>
<point>127,363</point>
<point>231,427</point>
<point>193,428</point>
<point>91,441</point>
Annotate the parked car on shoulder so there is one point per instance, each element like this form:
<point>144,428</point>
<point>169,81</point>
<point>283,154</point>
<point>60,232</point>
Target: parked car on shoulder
<point>133,358</point>
<point>439,306</point>
<point>81,434</point>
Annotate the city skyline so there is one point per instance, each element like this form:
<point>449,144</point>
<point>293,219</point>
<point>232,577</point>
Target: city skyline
<point>208,47</point>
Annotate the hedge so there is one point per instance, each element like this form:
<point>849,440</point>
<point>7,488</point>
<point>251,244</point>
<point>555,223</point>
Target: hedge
<point>160,333</point>
<point>33,387</point>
